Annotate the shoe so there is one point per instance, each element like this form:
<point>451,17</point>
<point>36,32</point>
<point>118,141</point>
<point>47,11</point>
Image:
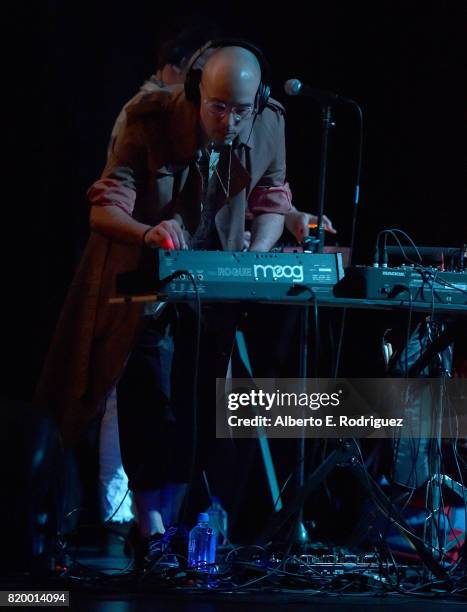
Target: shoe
<point>145,551</point>
<point>176,537</point>
<point>165,550</point>
<point>158,553</point>
<point>155,550</point>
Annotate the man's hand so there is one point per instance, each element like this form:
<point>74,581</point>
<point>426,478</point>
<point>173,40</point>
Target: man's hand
<point>167,235</point>
<point>298,223</point>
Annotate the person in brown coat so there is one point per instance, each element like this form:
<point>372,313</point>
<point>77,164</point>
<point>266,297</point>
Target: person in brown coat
<point>182,174</point>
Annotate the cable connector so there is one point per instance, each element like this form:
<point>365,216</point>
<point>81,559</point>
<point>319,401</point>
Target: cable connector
<point>384,263</point>
<point>376,257</point>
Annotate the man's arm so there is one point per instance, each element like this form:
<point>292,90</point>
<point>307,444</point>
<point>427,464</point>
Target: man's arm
<point>113,196</point>
<point>271,197</point>
<point>266,230</point>
<point>115,223</point>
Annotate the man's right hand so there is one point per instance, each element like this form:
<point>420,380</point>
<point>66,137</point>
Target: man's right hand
<point>166,235</point>
<point>298,223</point>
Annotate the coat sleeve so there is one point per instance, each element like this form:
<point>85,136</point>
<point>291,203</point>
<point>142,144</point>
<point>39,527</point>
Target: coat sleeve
<point>272,193</point>
<point>126,169</point>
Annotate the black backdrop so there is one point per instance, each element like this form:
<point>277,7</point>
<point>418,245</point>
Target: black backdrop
<point>75,63</point>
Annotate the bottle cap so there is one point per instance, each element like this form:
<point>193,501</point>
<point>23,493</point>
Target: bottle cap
<point>203,517</point>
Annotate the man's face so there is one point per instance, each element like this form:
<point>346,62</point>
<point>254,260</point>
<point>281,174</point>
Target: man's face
<point>225,107</point>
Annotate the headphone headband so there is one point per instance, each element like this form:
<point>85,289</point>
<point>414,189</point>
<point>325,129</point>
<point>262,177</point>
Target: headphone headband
<point>193,75</point>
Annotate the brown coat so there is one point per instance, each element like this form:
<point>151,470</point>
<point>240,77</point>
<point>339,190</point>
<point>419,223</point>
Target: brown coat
<point>147,177</point>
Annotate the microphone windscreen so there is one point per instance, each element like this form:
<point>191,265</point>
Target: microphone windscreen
<point>292,87</point>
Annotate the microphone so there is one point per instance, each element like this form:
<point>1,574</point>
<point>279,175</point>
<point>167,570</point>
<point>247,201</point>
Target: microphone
<point>294,87</point>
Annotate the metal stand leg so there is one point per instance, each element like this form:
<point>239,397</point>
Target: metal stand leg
<point>262,438</point>
<point>347,453</point>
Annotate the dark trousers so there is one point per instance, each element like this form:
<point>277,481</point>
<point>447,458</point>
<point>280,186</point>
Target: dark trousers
<point>196,421</point>
<point>160,424</point>
<point>145,421</point>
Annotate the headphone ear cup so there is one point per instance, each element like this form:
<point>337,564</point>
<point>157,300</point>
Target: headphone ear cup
<point>264,91</point>
<point>192,81</point>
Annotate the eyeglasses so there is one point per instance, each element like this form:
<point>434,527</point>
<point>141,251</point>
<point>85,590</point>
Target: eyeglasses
<point>219,109</point>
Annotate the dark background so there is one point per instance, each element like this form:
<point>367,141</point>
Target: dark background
<point>74,64</point>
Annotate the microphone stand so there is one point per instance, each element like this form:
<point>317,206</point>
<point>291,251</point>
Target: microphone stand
<point>327,123</point>
<point>301,536</point>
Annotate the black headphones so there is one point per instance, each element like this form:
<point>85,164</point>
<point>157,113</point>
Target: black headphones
<point>193,76</point>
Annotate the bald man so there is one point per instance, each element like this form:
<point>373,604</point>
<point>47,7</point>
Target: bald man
<point>230,77</point>
<point>181,175</point>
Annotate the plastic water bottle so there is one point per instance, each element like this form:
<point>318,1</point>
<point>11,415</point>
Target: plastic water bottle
<point>202,546</point>
<point>218,520</point>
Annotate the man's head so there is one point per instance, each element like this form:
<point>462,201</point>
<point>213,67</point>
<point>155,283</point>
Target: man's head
<point>228,88</point>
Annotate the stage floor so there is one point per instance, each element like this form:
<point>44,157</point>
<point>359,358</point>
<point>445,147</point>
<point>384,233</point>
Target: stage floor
<point>100,580</point>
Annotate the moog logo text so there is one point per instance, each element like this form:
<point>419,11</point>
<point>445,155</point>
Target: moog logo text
<point>294,273</point>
